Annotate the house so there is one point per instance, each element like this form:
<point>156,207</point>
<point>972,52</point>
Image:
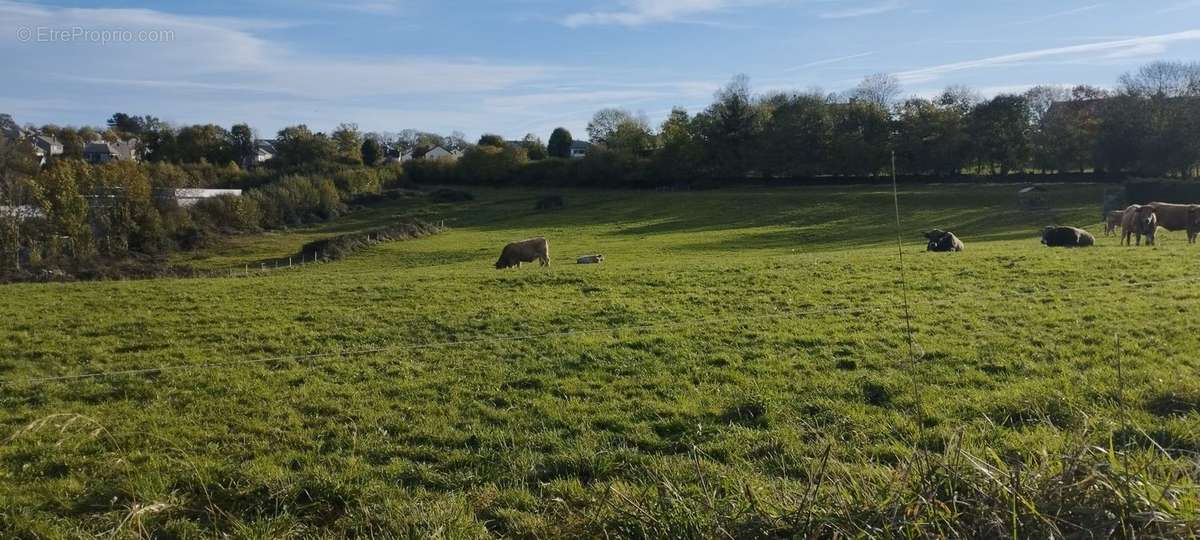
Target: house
<point>46,147</point>
<point>103,151</point>
<point>264,150</point>
<point>437,153</point>
<point>579,149</point>
<point>188,197</point>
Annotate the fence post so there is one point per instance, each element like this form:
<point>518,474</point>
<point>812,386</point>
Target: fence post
<point>289,262</point>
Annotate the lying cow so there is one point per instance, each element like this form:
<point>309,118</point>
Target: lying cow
<point>942,241</point>
<point>591,259</point>
<point>1179,217</point>
<point>1113,221</point>
<point>1067,237</point>
<point>534,249</point>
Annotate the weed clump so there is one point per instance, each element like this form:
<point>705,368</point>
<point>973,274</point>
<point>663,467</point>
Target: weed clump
<point>749,412</point>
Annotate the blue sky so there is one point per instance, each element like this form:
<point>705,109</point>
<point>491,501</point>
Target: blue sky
<point>518,66</point>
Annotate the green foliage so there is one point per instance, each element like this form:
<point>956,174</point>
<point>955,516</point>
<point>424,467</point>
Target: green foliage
<point>348,142</point>
<point>491,165</point>
<point>489,139</point>
<point>298,146</point>
<point>560,143</point>
<point>372,153</point>
<point>1000,132</point>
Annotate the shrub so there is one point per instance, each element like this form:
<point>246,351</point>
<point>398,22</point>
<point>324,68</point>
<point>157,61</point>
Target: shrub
<point>342,246</point>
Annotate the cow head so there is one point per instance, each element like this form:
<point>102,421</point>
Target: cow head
<point>935,238</point>
<point>1046,234</point>
<point>502,264</point>
<point>1147,217</point>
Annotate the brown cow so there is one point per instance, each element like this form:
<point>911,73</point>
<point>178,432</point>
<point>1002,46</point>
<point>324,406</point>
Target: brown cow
<point>1146,221</point>
<point>1129,224</point>
<point>534,249</point>
<point>1113,221</point>
<point>1179,217</point>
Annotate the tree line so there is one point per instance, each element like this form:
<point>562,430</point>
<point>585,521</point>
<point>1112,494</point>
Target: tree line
<point>1149,125</point>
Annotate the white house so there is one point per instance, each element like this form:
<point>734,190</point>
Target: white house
<point>441,153</point>
<point>189,197</point>
<point>46,147</point>
<point>579,149</point>
<point>264,150</point>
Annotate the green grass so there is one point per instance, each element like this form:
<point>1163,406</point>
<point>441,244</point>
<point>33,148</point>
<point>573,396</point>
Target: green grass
<point>738,367</point>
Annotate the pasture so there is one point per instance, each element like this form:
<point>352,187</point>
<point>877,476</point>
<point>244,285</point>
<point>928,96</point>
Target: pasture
<point>738,367</point>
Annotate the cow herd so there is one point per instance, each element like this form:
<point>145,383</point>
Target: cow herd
<point>1135,222</point>
<point>1144,220</point>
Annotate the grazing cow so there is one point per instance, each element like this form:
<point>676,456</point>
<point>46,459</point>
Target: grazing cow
<point>534,249</point>
<point>591,259</point>
<point>1067,237</point>
<point>1179,217</point>
<point>942,241</point>
<point>1113,221</point>
<point>1129,224</point>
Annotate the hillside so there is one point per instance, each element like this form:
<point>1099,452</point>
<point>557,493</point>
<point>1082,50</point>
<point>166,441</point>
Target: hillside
<point>738,366</point>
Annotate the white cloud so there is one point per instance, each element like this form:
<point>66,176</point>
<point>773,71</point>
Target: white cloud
<point>1123,48</point>
<point>878,8</point>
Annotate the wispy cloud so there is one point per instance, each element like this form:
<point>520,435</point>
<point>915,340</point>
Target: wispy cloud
<point>1059,14</point>
<point>827,61</point>
<point>1124,48</point>
<point>867,10</point>
<point>1179,6</point>
<point>642,12</point>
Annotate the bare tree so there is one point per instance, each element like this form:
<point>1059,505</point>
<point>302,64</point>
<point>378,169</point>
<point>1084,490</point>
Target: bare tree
<point>1163,79</point>
<point>1042,97</point>
<point>881,89</point>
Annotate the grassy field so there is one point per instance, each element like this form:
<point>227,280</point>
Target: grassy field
<point>738,367</point>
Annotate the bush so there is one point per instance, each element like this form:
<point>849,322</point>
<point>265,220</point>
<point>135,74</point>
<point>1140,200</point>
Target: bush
<point>342,246</point>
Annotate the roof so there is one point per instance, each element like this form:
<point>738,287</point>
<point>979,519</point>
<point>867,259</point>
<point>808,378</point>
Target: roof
<point>1031,189</point>
<point>581,145</point>
<point>50,141</point>
<point>98,147</point>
